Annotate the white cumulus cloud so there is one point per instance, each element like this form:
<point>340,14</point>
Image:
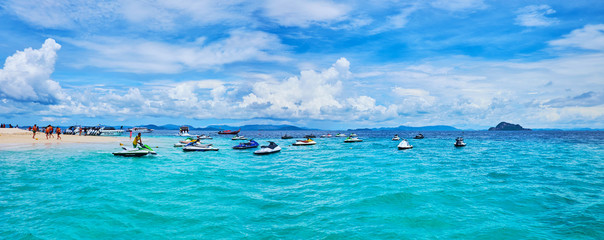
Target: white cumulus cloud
<point>304,13</point>
<point>26,75</point>
<point>589,37</point>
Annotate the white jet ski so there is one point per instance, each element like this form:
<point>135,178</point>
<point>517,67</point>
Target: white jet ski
<point>396,137</point>
<point>459,142</point>
<point>404,145</point>
<point>352,139</point>
<point>135,152</point>
<point>271,148</point>
<point>203,136</point>
<point>198,147</point>
<point>237,137</point>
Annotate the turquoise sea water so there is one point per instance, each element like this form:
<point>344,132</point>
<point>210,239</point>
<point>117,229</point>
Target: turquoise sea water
<point>518,185</point>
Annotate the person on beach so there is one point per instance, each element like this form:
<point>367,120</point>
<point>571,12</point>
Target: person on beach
<point>137,141</point>
<point>34,129</point>
<point>46,131</point>
<point>58,133</point>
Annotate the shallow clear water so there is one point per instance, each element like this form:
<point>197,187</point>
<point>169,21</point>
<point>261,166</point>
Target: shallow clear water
<point>518,185</point>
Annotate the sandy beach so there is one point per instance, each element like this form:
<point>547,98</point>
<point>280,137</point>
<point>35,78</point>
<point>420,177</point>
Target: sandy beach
<point>12,136</point>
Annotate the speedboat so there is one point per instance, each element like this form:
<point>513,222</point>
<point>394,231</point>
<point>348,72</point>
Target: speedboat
<point>419,136</point>
<point>203,136</point>
<point>237,137</point>
<point>198,147</point>
<point>352,139</point>
<point>326,135</point>
<point>404,145</point>
<point>183,131</point>
<point>340,135</point>
<point>459,142</point>
<point>304,142</point>
<point>286,136</point>
<point>396,138</point>
<point>271,148</point>
<point>246,145</point>
<point>229,132</point>
<point>110,131</point>
<point>310,136</point>
<point>135,152</point>
<point>140,129</point>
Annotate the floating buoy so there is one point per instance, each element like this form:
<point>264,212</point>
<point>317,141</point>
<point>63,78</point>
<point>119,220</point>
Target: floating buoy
<point>121,144</point>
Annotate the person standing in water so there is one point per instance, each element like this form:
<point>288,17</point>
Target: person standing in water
<point>137,141</point>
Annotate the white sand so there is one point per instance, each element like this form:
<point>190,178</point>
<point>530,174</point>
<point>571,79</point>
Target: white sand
<point>14,136</point>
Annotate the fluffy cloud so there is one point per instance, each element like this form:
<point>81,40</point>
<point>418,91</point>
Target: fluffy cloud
<point>26,75</point>
<point>311,94</point>
<point>142,56</point>
<point>589,37</point>
<point>535,16</point>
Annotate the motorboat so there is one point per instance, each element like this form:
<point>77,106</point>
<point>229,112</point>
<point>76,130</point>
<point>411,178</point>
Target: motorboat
<point>310,136</point>
<point>237,137</point>
<point>271,148</point>
<point>203,136</point>
<point>326,135</point>
<point>286,136</point>
<point>135,152</point>
<point>246,145</point>
<point>459,142</point>
<point>351,139</point>
<point>110,131</point>
<point>304,142</point>
<point>229,132</point>
<point>184,131</point>
<point>198,147</point>
<point>340,135</point>
<point>396,137</point>
<point>419,136</point>
<point>140,130</point>
<point>404,145</point>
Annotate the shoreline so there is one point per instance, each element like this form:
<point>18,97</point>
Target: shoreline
<point>11,137</point>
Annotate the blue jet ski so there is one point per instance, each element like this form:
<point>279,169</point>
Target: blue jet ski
<point>246,145</point>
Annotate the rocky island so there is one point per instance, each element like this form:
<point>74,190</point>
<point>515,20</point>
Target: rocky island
<point>504,126</point>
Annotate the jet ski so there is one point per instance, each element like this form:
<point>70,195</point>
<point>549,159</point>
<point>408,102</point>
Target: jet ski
<point>246,145</point>
<point>326,135</point>
<point>340,135</point>
<point>304,142</point>
<point>310,136</point>
<point>419,136</point>
<point>271,148</point>
<point>459,142</point>
<point>404,145</point>
<point>353,135</point>
<point>135,152</point>
<point>237,137</point>
<point>203,136</point>
<point>286,136</point>
<point>198,147</point>
<point>396,138</point>
<point>351,139</point>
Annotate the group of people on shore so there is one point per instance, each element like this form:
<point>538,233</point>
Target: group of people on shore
<point>48,130</point>
<point>3,125</point>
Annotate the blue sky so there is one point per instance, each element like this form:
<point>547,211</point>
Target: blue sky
<point>319,63</point>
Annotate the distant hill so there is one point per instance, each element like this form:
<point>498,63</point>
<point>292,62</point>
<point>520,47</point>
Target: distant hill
<point>254,127</point>
<point>504,126</point>
<point>407,128</point>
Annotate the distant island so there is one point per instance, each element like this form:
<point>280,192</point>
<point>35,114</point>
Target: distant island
<point>504,126</point>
